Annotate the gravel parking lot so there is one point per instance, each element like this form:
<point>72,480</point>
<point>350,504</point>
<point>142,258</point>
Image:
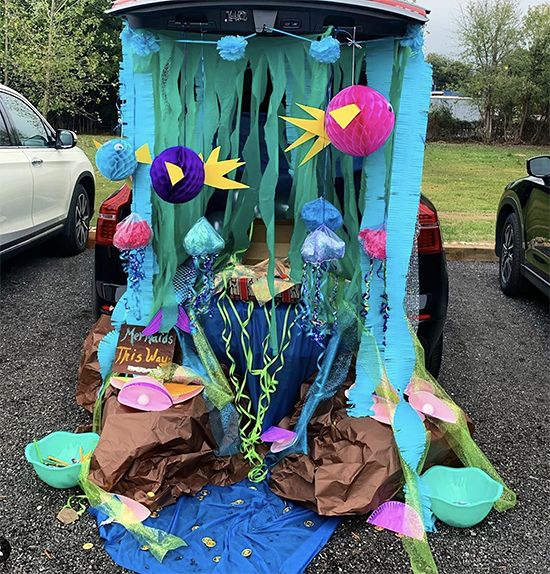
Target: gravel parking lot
<point>496,365</point>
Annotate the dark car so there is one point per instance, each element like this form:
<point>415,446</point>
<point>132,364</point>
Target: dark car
<point>110,279</point>
<point>523,230</point>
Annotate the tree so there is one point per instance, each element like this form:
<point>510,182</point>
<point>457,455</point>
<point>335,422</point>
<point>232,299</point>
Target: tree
<point>490,32</point>
<point>536,31</point>
<point>448,74</point>
<point>66,51</point>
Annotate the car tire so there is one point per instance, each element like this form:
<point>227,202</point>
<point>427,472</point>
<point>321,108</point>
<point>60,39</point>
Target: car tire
<point>433,362</point>
<point>77,226</point>
<point>509,268</point>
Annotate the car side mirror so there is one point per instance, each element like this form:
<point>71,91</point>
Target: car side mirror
<point>65,139</point>
<point>539,167</point>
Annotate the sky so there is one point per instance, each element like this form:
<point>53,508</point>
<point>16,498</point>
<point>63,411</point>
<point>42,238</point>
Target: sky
<point>441,37</point>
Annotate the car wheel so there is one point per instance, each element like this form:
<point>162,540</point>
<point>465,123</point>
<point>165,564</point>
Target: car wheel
<point>510,278</point>
<point>77,226</point>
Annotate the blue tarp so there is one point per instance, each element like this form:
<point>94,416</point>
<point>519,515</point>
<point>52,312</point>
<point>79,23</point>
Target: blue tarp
<point>254,531</point>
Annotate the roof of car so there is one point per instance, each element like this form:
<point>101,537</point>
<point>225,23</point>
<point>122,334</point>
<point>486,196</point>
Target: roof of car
<point>6,89</point>
<point>399,7</point>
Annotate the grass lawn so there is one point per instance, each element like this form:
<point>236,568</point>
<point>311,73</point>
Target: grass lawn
<point>464,181</point>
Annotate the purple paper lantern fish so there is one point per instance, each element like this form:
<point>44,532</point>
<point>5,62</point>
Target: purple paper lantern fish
<point>178,174</point>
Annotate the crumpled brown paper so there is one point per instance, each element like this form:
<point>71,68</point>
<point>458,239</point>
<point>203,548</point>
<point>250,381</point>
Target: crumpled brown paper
<point>352,466</point>
<point>168,453</point>
<point>89,379</point>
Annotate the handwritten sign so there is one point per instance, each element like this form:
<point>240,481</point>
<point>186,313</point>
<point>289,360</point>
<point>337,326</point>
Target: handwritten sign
<point>137,354</point>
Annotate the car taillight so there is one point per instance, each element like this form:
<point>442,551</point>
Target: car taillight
<point>429,239</point>
<point>110,214</point>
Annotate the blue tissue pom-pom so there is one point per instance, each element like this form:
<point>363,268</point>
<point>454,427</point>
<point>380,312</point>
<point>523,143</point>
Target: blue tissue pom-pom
<point>326,51</point>
<point>116,160</point>
<point>232,48</point>
<point>141,43</point>
<point>415,38</point>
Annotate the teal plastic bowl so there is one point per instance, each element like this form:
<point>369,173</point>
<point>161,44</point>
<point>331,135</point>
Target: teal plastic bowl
<point>461,497</point>
<point>63,446</point>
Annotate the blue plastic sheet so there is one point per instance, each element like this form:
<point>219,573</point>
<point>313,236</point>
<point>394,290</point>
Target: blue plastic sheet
<point>300,358</point>
<point>255,532</point>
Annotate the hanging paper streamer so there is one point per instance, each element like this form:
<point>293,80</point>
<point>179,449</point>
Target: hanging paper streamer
<point>133,234</point>
<point>141,43</point>
<point>204,243</point>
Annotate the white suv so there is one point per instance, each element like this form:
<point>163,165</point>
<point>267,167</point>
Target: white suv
<point>47,185</point>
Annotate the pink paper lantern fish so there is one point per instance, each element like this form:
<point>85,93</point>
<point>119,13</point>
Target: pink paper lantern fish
<point>370,116</point>
<point>358,121</point>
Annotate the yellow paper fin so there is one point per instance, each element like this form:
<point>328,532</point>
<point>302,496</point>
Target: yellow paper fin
<point>215,172</point>
<point>312,128</point>
<point>97,144</point>
<point>175,173</point>
<point>345,115</point>
<point>319,145</point>
<point>143,154</point>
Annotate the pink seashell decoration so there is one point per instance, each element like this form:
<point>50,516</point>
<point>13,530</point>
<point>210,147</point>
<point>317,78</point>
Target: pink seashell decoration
<point>431,406</point>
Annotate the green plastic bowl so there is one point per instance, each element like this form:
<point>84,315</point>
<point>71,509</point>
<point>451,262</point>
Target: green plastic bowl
<point>461,497</point>
<point>64,446</point>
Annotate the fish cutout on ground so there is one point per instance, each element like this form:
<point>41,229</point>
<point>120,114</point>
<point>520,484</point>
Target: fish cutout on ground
<point>398,517</point>
<point>138,510</point>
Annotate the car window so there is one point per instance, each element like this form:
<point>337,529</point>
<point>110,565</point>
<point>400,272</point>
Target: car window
<point>4,136</point>
<point>28,125</point>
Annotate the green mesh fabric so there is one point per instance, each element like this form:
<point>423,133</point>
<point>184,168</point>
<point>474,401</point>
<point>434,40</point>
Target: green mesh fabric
<point>458,435</point>
<point>158,542</point>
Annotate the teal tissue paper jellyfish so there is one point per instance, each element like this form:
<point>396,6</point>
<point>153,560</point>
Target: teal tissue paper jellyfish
<point>204,244</point>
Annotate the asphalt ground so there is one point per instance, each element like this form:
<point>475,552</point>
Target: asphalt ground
<point>496,366</point>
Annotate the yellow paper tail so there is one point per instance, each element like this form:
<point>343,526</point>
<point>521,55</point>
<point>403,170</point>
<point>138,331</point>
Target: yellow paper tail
<point>313,128</point>
<point>215,172</point>
<point>143,154</point>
